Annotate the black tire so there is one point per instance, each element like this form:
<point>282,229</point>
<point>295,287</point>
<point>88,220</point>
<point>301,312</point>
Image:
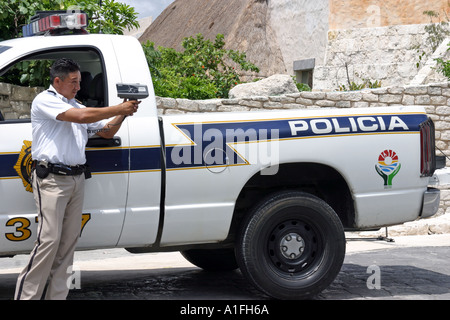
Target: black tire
<point>292,246</point>
<point>212,259</point>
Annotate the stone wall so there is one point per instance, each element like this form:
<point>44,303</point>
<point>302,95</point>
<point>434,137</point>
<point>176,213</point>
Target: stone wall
<point>301,26</point>
<point>386,54</point>
<point>15,101</point>
<point>434,97</point>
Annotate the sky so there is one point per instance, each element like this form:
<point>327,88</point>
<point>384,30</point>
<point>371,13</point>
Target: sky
<point>146,8</point>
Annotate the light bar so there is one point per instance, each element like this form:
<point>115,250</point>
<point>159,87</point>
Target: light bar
<point>54,23</point>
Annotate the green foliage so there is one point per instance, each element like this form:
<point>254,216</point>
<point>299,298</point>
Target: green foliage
<point>203,70</point>
<point>301,86</point>
<point>29,73</point>
<point>153,57</point>
<point>436,33</point>
<point>353,86</point>
<point>112,17</point>
<point>443,66</point>
<point>16,13</point>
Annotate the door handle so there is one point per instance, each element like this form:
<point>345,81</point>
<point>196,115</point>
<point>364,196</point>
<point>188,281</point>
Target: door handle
<point>104,143</point>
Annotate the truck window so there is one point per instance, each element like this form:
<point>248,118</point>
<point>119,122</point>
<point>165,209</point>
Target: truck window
<point>22,80</point>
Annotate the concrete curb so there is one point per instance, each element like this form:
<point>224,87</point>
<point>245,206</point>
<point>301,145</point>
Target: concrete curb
<point>433,225</point>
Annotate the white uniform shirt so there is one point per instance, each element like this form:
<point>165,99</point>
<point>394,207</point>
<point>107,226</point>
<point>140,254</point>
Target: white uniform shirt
<point>58,141</point>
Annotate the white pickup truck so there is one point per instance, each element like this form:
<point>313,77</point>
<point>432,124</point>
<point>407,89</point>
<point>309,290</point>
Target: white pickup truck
<point>270,193</point>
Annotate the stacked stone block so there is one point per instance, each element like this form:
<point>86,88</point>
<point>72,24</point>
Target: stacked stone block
<point>388,54</point>
<point>15,101</point>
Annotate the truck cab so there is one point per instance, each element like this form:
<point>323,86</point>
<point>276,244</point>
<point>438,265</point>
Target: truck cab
<point>132,159</point>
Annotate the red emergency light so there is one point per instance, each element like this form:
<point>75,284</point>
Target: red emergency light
<point>55,22</point>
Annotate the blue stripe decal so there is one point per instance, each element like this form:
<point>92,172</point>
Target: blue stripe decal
<point>107,160</point>
<point>100,161</point>
<point>116,160</point>
<point>7,163</point>
<point>216,140</point>
<point>219,137</point>
<point>145,159</point>
<point>311,127</point>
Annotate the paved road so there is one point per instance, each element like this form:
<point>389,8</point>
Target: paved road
<point>409,268</point>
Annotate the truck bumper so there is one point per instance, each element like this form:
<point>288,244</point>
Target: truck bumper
<point>431,199</point>
<point>441,177</point>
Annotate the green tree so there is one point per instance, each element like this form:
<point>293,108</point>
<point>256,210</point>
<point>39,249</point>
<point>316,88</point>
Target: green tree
<point>111,17</point>
<point>14,14</point>
<point>203,70</point>
<point>443,66</point>
<point>436,33</point>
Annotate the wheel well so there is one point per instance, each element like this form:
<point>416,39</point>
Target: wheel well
<point>317,179</point>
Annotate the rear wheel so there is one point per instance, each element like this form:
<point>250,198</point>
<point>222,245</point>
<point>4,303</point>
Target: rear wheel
<point>292,246</point>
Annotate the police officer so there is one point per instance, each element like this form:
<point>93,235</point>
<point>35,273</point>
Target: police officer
<point>60,128</point>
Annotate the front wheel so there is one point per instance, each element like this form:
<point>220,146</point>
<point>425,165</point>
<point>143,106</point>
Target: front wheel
<point>292,246</point>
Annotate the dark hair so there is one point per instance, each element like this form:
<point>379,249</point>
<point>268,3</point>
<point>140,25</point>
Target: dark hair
<point>62,67</point>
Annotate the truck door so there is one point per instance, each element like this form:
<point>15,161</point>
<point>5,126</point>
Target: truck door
<point>105,198</point>
<point>144,192</point>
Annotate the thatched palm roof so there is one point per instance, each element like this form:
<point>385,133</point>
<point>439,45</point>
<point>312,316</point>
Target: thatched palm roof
<point>244,23</point>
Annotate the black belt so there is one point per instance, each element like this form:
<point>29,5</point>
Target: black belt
<point>62,169</point>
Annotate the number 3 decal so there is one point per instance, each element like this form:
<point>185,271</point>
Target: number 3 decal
<point>22,225</point>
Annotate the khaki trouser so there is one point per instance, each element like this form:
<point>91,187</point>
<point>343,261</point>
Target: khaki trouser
<point>59,200</point>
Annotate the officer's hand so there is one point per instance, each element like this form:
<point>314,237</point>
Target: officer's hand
<point>128,108</point>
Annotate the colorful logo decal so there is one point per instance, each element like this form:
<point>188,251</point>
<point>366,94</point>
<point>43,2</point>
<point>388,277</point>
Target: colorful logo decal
<point>388,166</point>
<point>23,165</point>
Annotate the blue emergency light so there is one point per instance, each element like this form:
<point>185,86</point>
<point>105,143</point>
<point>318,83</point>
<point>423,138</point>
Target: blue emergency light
<point>55,22</point>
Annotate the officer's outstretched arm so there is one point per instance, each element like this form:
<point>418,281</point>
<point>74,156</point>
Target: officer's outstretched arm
<point>91,115</point>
